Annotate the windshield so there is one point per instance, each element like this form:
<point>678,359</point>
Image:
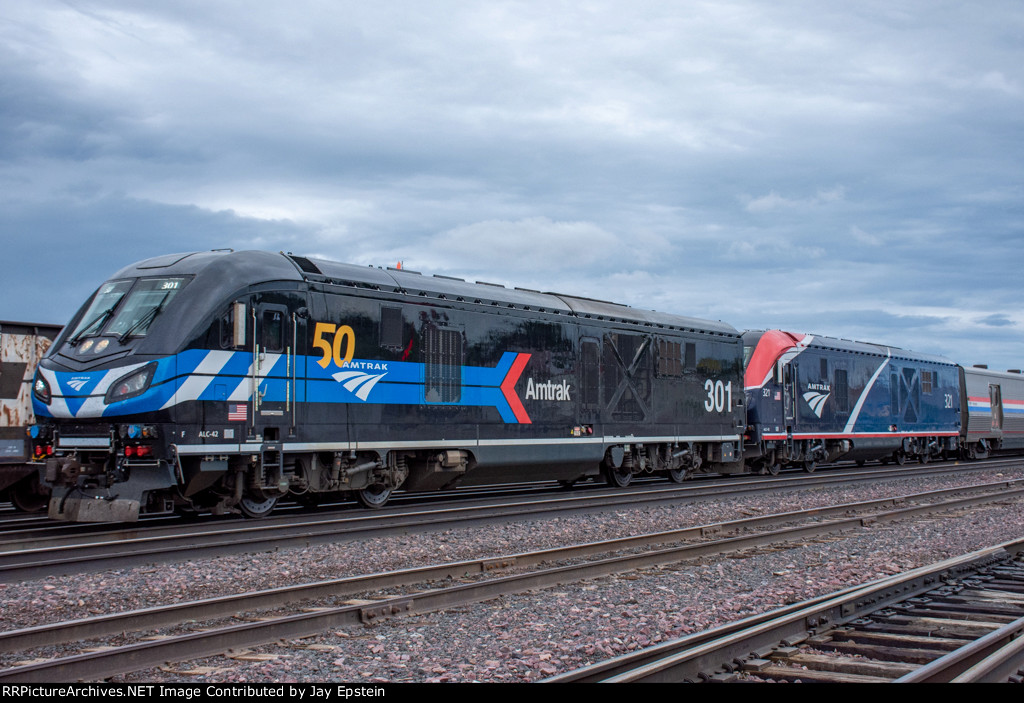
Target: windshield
<point>750,340</point>
<point>747,353</point>
<point>107,298</point>
<point>144,303</point>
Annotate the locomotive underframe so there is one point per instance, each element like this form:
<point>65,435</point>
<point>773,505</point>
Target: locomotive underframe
<point>105,485</point>
<point>769,455</point>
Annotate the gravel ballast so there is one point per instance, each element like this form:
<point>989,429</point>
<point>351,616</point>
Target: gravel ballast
<point>536,635</point>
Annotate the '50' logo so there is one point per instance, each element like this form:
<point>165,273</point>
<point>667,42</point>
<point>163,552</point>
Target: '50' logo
<point>343,337</point>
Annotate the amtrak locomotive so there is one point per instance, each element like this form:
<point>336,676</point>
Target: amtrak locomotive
<point>815,399</point>
<point>225,381</point>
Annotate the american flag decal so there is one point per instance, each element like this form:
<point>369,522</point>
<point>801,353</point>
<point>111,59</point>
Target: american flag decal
<point>238,412</point>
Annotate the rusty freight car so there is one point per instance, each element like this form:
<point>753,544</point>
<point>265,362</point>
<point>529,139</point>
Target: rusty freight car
<point>22,345</point>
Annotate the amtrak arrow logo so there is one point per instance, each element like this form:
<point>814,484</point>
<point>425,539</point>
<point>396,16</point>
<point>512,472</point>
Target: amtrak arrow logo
<point>816,400</point>
<point>358,382</point>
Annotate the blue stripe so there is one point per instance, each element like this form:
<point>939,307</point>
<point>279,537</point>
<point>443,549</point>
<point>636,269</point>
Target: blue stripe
<point>402,383</point>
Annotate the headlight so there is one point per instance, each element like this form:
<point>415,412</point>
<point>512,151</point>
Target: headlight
<point>41,390</point>
<point>130,385</point>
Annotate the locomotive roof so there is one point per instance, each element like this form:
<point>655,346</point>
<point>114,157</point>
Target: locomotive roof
<point>850,346</point>
<point>236,269</point>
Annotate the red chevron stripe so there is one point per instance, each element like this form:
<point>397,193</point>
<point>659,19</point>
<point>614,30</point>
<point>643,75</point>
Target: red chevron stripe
<point>508,388</point>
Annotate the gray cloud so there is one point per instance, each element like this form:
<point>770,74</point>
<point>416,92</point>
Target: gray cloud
<point>853,171</point>
<point>999,320</point>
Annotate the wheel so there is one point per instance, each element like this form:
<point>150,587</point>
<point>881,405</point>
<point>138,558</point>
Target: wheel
<point>617,478</point>
<point>900,458</point>
<point>257,507</point>
<point>677,475</point>
<point>810,466</point>
<point>27,497</point>
<point>375,496</point>
<point>924,458</point>
<point>773,468</point>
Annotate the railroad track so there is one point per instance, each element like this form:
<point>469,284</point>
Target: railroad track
<point>20,531</point>
<point>30,526</point>
<point>420,592</point>
<point>960,620</point>
<point>38,525</point>
<point>23,557</point>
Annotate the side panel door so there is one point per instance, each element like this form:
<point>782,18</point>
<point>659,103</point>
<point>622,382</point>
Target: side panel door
<point>277,382</point>
<point>995,394</point>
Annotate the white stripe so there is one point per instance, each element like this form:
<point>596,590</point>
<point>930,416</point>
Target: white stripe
<point>244,390</point>
<point>191,449</point>
<point>200,378</point>
<point>864,395</point>
<point>94,404</point>
<point>57,407</point>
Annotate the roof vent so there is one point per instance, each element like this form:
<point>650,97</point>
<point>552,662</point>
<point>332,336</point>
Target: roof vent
<point>981,366</point>
<point>304,264</point>
<point>1013,371</point>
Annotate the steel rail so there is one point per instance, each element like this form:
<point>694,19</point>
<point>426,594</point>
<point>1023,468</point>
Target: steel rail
<point>697,657</point>
<point>989,659</point>
<point>86,533</point>
<point>140,546</point>
<point>14,541</point>
<point>26,531</point>
<point>196,645</point>
<point>16,640</point>
<point>1000,666</point>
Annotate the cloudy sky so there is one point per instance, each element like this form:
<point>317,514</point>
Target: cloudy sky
<point>849,169</point>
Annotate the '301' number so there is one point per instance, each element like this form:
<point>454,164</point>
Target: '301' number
<point>719,395</point>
